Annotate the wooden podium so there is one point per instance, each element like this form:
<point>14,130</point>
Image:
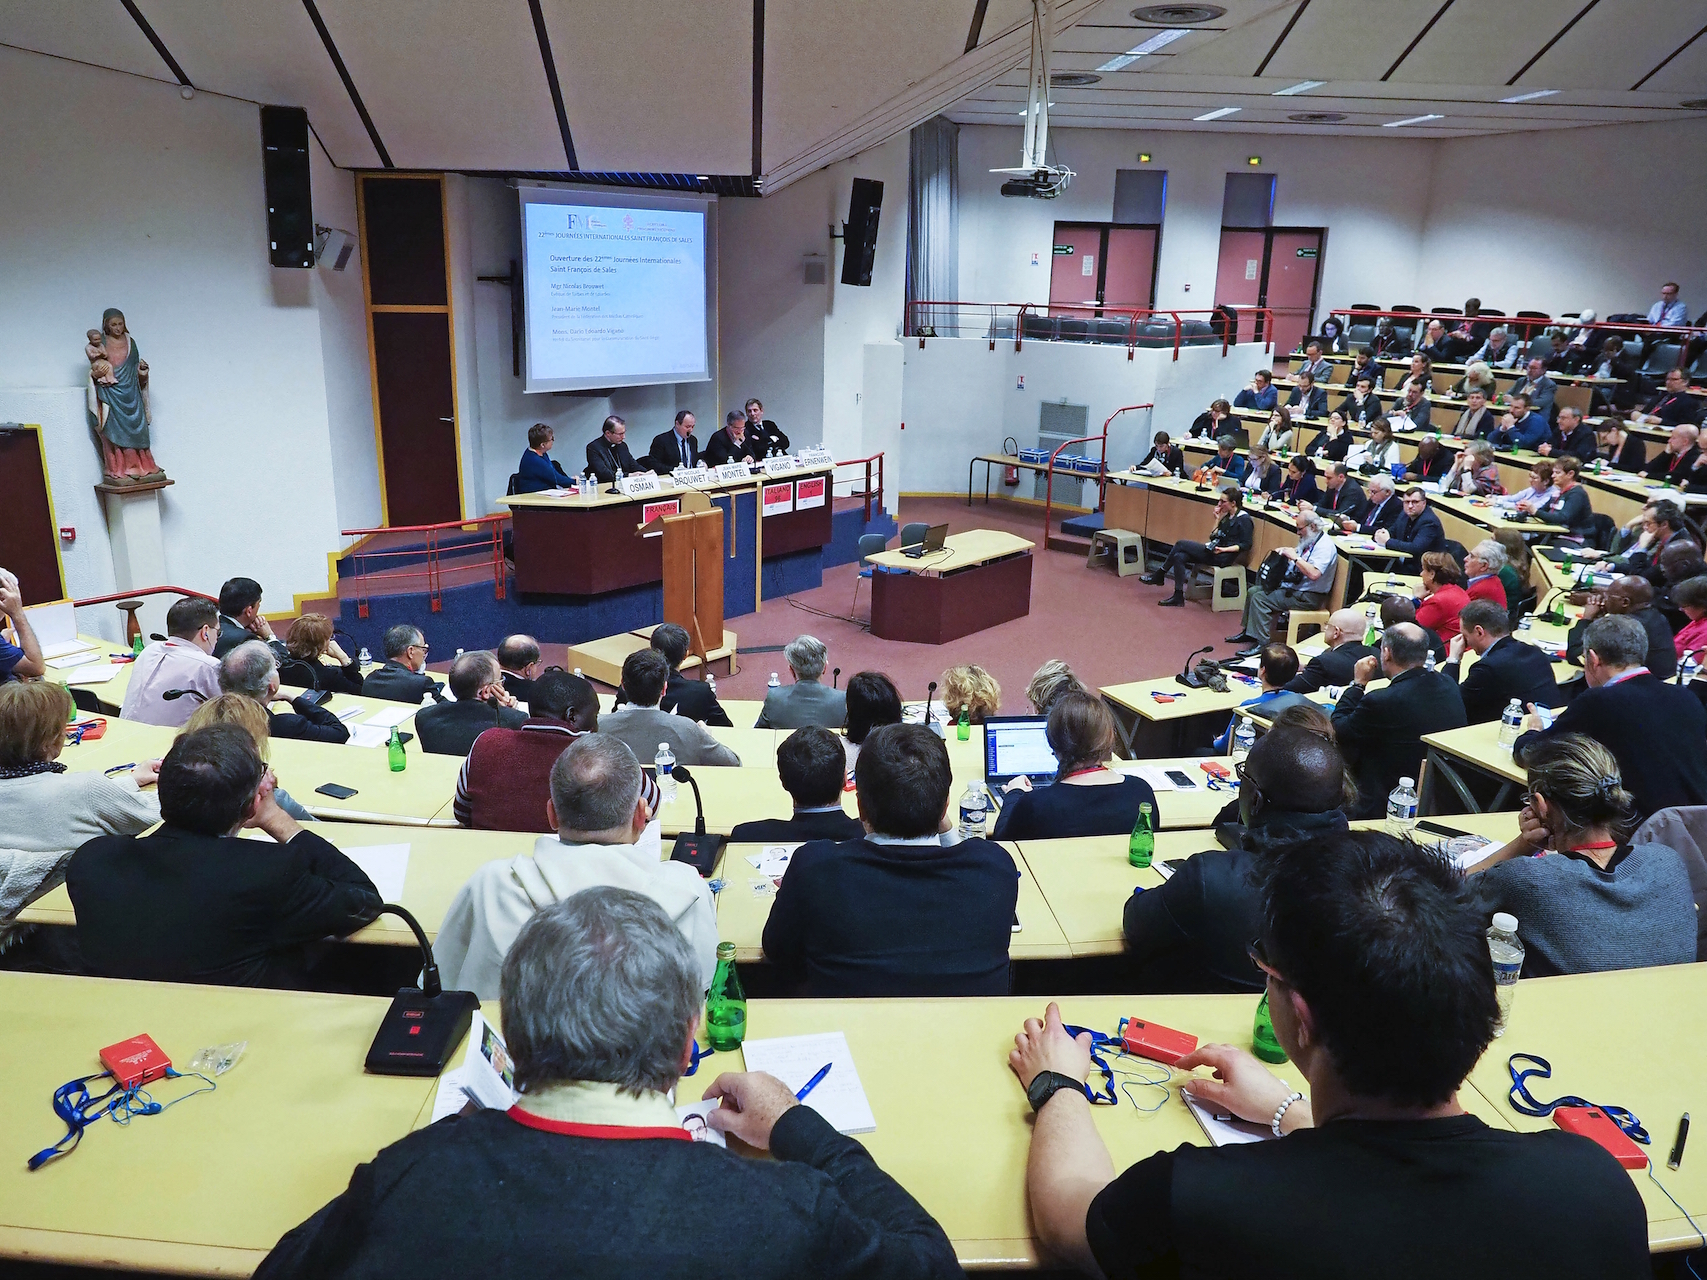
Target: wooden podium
<point>693,570</point>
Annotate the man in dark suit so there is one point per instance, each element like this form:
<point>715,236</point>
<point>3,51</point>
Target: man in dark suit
<point>675,447</point>
<point>1382,509</point>
<point>240,618</point>
<point>767,436</point>
<point>733,443</point>
<point>194,903</point>
<point>609,453</point>
<point>1656,731</point>
<point>812,764</point>
<point>1505,668</point>
<point>1673,405</point>
<point>1416,533</point>
<point>1343,634</point>
<point>518,663</point>
<point>1381,733</point>
<point>450,728</point>
<point>401,679</point>
<point>694,699</point>
<point>252,671</point>
<point>1677,459</point>
<point>1660,527</point>
<point>1632,596</point>
<point>1344,499</point>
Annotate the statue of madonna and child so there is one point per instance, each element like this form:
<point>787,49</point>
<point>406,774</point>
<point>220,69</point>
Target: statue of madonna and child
<point>118,404</point>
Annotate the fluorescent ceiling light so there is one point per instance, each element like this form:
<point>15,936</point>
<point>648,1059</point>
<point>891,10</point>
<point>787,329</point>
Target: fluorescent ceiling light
<point>1160,40</point>
<point>1530,97</point>
<point>1303,86</point>
<point>1216,115</point>
<point>1027,111</point>
<point>1394,124</point>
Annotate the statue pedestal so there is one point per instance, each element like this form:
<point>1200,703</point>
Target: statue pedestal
<point>139,550</point>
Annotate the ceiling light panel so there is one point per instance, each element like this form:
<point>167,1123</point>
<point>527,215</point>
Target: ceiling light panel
<point>1217,114</point>
<point>1303,86</point>
<point>1397,124</point>
<point>1161,40</point>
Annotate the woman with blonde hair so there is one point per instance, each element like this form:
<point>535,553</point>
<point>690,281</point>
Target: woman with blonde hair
<point>1088,798</point>
<point>970,689</point>
<point>250,716</point>
<point>1048,683</point>
<point>310,643</point>
<point>1596,901</point>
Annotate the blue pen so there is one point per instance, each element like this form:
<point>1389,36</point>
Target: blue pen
<point>118,768</point>
<point>813,1082</point>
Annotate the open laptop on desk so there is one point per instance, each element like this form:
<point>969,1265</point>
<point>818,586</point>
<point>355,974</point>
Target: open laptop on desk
<point>1016,745</point>
<point>935,537</point>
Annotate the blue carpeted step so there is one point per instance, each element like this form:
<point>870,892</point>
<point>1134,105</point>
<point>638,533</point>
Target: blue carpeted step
<point>1082,526</point>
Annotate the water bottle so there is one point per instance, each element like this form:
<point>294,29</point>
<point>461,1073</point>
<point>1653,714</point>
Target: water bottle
<point>1428,662</point>
<point>725,1003</point>
<point>1244,738</point>
<point>578,674</point>
<point>665,761</point>
<point>364,657</point>
<point>1264,1043</point>
<point>72,718</point>
<point>394,750</point>
<point>1506,950</point>
<point>1370,632</point>
<point>1402,808</point>
<point>1141,848</point>
<point>773,682</point>
<point>973,806</point>
<point>963,726</point>
<point>1691,664</point>
<point>711,683</point>
<point>136,646</point>
<point>619,477</point>
<point>1511,724</point>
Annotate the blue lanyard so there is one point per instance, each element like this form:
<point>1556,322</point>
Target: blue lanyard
<point>1100,1044</point>
<point>1524,1104</point>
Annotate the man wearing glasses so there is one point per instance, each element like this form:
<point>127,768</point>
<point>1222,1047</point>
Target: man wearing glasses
<point>401,679</point>
<point>1375,961</point>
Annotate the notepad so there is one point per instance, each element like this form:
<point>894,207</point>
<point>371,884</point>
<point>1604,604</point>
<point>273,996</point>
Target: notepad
<point>839,1097</point>
<point>95,673</point>
<point>51,651</point>
<point>369,735</point>
<point>1225,1132</point>
<point>387,865</point>
<point>386,717</point>
<point>347,714</point>
<point>74,660</point>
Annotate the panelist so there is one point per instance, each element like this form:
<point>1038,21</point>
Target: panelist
<point>538,471</point>
<point>766,434</point>
<point>675,447</point>
<point>734,443</point>
<point>609,454</point>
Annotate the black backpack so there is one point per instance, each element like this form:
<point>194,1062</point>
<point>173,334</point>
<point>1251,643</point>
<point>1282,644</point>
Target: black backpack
<point>1272,571</point>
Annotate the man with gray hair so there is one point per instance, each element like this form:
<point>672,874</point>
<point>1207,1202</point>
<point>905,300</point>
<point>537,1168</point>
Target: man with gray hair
<point>601,1002</point>
<point>252,669</point>
<point>1306,584</point>
<point>481,703</point>
<point>401,679</point>
<point>1656,731</point>
<point>604,836</point>
<point>1381,733</point>
<point>1383,511</point>
<point>806,701</point>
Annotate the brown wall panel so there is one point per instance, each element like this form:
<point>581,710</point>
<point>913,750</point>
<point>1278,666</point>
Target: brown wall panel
<point>412,376</point>
<point>29,543</point>
<point>405,249</point>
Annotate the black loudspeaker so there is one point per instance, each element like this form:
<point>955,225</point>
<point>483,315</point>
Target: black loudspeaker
<point>859,232</point>
<point>290,209</point>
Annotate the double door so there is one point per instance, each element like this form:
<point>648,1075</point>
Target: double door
<point>1274,267</point>
<point>1102,264</point>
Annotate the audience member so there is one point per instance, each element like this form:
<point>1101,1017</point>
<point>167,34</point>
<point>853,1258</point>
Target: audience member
<point>1412,412</point>
<point>316,656</point>
<point>1165,454</point>
<point>972,690</point>
<point>602,998</point>
<point>1537,388</point>
<point>644,726</point>
<point>604,836</point>
<point>1277,667</point>
<point>1233,536</point>
<point>731,442</point>
<point>1314,364</point>
<point>1192,933</point>
<point>694,699</point>
<point>806,701</point>
<point>1623,449</point>
<point>251,717</point>
<point>1477,420</point>
<point>1505,667</point>
<point>1673,463</point>
<point>252,670</point>
<point>1474,471</point>
<point>1691,638</point>
<point>1383,510</point>
<point>1634,597</point>
<point>1656,731</point>
<point>767,436</point>
<point>1207,424</point>
<point>1419,379</point>
<point>1482,566</point>
<point>1575,436</point>
<point>1431,461</point>
<point>400,679</point>
<point>812,767</point>
<point>1332,339</point>
<point>1381,733</point>
<point>1660,526</point>
<point>1498,352</point>
<point>1262,472</point>
<point>1362,406</point>
<point>1307,582</point>
<point>1477,378</point>
<point>538,471</point>
<point>1516,575</point>
<point>1436,345</point>
<point>1388,343</point>
<point>677,447</point>
<point>1226,463</point>
<point>1363,366</point>
<point>480,703</point>
<point>1259,393</point>
<point>1672,405</point>
<point>240,617</point>
<point>933,919</point>
<point>1343,635</point>
<point>518,662</point>
<point>192,902</point>
<point>1570,505</point>
<point>22,660</point>
<point>1679,562</point>
<point>1397,609</point>
<point>1299,484</point>
<point>1307,399</point>
<point>1049,682</point>
<point>1342,498</point>
<point>1417,531</point>
<point>1669,310</point>
<point>506,780</point>
<point>182,661</point>
<point>1088,798</point>
<point>1443,594</point>
<point>1332,444</point>
<point>1521,427</point>
<point>1540,489</point>
<point>1382,448</point>
<point>609,453</point>
<point>1381,994</point>
<point>872,700</point>
<point>1600,902</point>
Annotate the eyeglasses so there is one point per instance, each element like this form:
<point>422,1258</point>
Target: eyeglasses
<point>1259,957</point>
<point>423,647</point>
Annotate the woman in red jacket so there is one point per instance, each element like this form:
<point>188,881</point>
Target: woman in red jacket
<point>1443,594</point>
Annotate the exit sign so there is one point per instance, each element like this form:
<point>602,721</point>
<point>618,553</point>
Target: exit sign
<point>1064,249</point>
<point>1306,253</point>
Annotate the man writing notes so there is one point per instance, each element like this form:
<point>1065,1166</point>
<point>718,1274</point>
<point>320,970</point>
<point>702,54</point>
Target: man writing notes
<point>675,447</point>
<point>609,453</point>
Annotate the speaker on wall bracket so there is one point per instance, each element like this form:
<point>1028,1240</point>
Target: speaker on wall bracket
<point>859,232</point>
<point>284,165</point>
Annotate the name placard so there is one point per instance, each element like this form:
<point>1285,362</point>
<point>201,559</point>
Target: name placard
<point>692,476</point>
<point>781,466</point>
<point>653,510</point>
<point>809,493</point>
<point>779,498</point>
<point>816,456</point>
<point>731,472</point>
<point>640,486</point>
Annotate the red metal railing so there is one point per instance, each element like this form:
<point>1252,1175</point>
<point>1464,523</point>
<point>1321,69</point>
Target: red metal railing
<point>132,627</point>
<point>1452,319</point>
<point>1102,474</point>
<point>491,543</point>
<point>868,492</point>
<point>926,314</point>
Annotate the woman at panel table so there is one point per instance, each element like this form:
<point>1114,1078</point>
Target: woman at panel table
<point>1362,406</point>
<point>1088,798</point>
<point>1443,594</point>
<point>1300,483</point>
<point>537,471</point>
<point>1277,436</point>
<point>1333,444</point>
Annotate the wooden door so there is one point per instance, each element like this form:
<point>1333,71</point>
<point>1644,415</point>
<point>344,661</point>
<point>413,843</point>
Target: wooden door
<point>1073,269</point>
<point>1289,290</point>
<point>29,538</point>
<point>1129,267</point>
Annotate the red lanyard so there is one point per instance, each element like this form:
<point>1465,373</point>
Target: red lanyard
<point>1598,844</point>
<point>1097,768</point>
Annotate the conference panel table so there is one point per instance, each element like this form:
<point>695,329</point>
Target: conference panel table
<point>979,579</point>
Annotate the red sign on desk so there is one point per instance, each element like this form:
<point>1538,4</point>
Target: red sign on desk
<point>779,498</point>
<point>809,493</point>
<point>652,510</point>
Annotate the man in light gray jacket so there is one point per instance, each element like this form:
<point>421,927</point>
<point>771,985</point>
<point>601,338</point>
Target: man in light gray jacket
<point>806,701</point>
<point>642,724</point>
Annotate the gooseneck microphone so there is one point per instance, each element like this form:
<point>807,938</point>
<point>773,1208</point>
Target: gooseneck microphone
<point>836,678</point>
<point>698,850</point>
<point>424,1024</point>
<point>1186,676</point>
<point>932,725</point>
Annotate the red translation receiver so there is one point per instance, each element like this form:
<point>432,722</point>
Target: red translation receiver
<point>135,1062</point>
<point>1152,1040</point>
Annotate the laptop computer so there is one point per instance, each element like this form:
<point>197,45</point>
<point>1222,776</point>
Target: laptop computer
<point>1016,745</point>
<point>935,537</point>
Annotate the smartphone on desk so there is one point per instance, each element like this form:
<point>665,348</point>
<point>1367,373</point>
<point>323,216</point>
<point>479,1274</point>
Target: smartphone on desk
<point>1180,779</point>
<point>335,791</point>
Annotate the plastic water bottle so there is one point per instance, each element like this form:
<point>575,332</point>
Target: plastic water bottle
<point>963,726</point>
<point>1511,724</point>
<point>973,807</point>
<point>578,674</point>
<point>619,476</point>
<point>1370,632</point>
<point>665,761</point>
<point>711,683</point>
<point>1244,738</point>
<point>1691,664</point>
<point>1428,662</point>
<point>394,751</point>
<point>1506,950</point>
<point>773,682</point>
<point>1141,848</point>
<point>364,657</point>
<point>1402,808</point>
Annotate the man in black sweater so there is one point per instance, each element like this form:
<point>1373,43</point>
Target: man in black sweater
<point>897,913</point>
<point>481,703</point>
<point>1656,731</point>
<point>1381,733</point>
<point>1343,634</point>
<point>591,1172</point>
<point>1505,668</point>
<point>812,764</point>
<point>403,678</point>
<point>194,903</point>
<point>1191,934</point>
<point>1416,533</point>
<point>1632,596</point>
<point>252,670</point>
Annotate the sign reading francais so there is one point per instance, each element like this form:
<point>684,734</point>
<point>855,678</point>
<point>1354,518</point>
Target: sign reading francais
<point>779,498</point>
<point>653,510</point>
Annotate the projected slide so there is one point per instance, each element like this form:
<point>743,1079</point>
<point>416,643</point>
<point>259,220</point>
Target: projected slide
<point>615,295</point>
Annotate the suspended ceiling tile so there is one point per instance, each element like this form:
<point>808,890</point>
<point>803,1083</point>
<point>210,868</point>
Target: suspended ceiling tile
<point>1685,76</point>
<point>1239,51</point>
<point>656,87</point>
<point>1616,44</point>
<point>267,52</point>
<point>1355,39</point>
<point>1485,41</point>
<point>999,16</point>
<point>450,86</point>
<point>100,33</point>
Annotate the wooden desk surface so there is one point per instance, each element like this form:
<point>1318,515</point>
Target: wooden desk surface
<point>1195,807</point>
<point>960,551</point>
<point>1139,697</point>
<point>207,1187</point>
<point>1479,745</point>
<point>1260,509</point>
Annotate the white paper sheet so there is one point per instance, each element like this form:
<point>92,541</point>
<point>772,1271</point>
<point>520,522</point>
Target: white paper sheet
<point>74,660</point>
<point>839,1096</point>
<point>1228,1131</point>
<point>1157,778</point>
<point>95,673</point>
<point>347,714</point>
<point>54,624</point>
<point>369,735</point>
<point>385,717</point>
<point>387,865</point>
<point>64,647</point>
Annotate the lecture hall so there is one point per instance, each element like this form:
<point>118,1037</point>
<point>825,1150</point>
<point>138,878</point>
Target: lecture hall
<point>1050,637</point>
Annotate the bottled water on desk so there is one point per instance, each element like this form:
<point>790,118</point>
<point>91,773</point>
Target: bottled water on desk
<point>1402,808</point>
<point>711,683</point>
<point>773,682</point>
<point>1506,950</point>
<point>1511,724</point>
<point>364,657</point>
<point>1428,662</point>
<point>1244,738</point>
<point>665,761</point>
<point>1371,633</point>
<point>973,807</point>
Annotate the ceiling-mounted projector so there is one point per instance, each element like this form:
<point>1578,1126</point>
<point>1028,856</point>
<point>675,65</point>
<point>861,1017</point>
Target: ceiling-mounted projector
<point>1036,184</point>
<point>1035,178</point>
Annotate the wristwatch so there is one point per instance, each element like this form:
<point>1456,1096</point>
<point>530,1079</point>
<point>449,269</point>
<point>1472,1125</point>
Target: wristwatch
<point>1045,1084</point>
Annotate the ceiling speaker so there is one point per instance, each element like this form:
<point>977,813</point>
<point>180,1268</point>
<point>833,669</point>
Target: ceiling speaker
<point>1317,117</point>
<point>1072,79</point>
<point>1178,15</point>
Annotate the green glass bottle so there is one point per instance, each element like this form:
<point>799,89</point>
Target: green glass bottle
<point>72,718</point>
<point>136,645</point>
<point>1263,1042</point>
<point>963,727</point>
<point>1142,847</point>
<point>395,749</point>
<point>1370,633</point>
<point>726,1003</point>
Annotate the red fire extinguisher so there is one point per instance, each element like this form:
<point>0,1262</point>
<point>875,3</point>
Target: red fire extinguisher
<point>1010,475</point>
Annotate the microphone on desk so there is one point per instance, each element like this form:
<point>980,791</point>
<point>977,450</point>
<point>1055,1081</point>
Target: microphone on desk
<point>172,695</point>
<point>932,725</point>
<point>424,1024</point>
<point>1187,676</point>
<point>836,678</point>
<point>698,850</point>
